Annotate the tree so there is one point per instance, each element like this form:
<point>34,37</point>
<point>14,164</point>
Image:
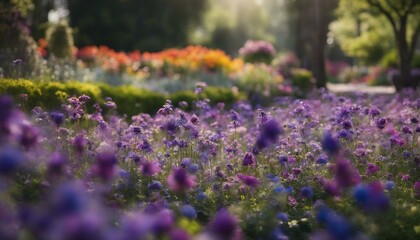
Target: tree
<point>38,17</point>
<point>148,25</point>
<point>404,18</point>
<point>310,20</point>
<point>362,36</point>
<point>229,24</point>
<point>18,55</point>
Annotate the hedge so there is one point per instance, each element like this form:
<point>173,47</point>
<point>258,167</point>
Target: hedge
<point>129,99</point>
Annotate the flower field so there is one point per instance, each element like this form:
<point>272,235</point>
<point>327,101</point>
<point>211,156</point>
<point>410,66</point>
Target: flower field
<point>330,167</point>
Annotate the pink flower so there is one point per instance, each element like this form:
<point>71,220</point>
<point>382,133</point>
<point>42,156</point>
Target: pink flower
<point>149,168</point>
<point>248,181</point>
<point>371,168</point>
<point>346,175</point>
<point>179,180</point>
<point>405,177</point>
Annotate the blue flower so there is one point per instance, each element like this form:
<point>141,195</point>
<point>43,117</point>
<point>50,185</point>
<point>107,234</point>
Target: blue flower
<point>361,194</point>
<point>322,160</point>
<point>189,211</point>
<point>10,160</point>
<point>279,189</point>
<point>57,118</point>
<point>330,144</point>
<point>193,168</point>
<point>155,185</point>
<point>306,192</point>
<point>284,217</point>
<point>389,185</point>
<point>201,196</point>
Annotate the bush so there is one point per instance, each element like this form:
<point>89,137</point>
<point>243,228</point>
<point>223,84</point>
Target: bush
<point>130,100</point>
<point>18,53</point>
<point>60,40</point>
<point>257,52</point>
<point>302,80</point>
<point>390,60</point>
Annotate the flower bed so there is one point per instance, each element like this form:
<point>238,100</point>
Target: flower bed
<point>326,168</point>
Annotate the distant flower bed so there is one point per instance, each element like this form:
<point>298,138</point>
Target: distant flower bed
<point>170,61</point>
<point>257,51</point>
<point>324,168</point>
<point>256,71</point>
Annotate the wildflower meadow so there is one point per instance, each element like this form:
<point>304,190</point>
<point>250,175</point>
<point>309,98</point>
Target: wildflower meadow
<point>326,168</point>
<point>209,120</point>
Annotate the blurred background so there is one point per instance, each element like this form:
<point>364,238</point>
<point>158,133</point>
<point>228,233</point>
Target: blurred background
<point>339,41</point>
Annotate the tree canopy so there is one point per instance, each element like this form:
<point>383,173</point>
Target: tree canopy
<point>134,24</point>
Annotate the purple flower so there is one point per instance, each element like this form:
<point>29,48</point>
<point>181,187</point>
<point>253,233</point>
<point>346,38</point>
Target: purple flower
<point>10,160</point>
<point>271,130</point>
<point>224,225</point>
<point>29,135</point>
<point>194,120</point>
<point>406,130</point>
<point>6,106</point>
<point>329,143</point>
<point>248,160</point>
<point>346,175</point>
<point>57,118</point>
<point>417,189</point>
<point>374,112</point>
<point>179,234</point>
<point>248,181</point>
<point>155,185</point>
<point>79,143</point>
<point>84,98</point>
<point>371,197</point>
<point>105,166</point>
<point>56,164</point>
<point>163,222</point>
<point>179,180</point>
<point>110,104</point>
<point>371,168</point>
<point>283,160</point>
<point>68,199</point>
<point>346,124</point>
<point>405,177</point>
<point>145,146</point>
<point>322,160</point>
<point>149,168</point>
<point>306,192</point>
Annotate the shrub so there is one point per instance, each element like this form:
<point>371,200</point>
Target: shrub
<point>18,53</point>
<point>60,40</point>
<point>257,52</point>
<point>129,99</point>
<point>302,79</point>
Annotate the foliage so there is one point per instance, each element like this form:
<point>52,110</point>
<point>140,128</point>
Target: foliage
<point>361,35</point>
<point>259,78</point>
<point>130,100</point>
<point>402,19</point>
<point>302,79</point>
<point>60,40</point>
<point>19,57</point>
<point>227,25</point>
<point>149,25</point>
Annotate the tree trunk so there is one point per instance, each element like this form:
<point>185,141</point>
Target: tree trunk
<point>404,80</point>
<point>318,51</point>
